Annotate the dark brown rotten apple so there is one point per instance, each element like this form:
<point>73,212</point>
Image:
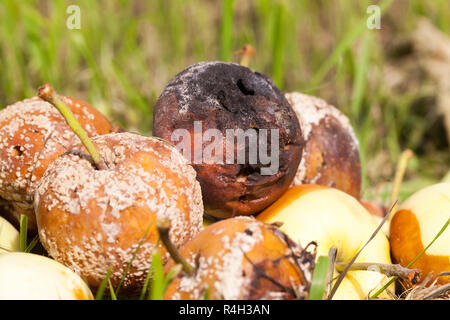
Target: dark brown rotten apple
<point>32,135</point>
<point>247,260</point>
<point>225,97</point>
<point>331,151</point>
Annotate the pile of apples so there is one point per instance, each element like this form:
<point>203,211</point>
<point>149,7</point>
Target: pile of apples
<point>101,199</point>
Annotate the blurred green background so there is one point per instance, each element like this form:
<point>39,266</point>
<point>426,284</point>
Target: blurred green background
<point>126,52</point>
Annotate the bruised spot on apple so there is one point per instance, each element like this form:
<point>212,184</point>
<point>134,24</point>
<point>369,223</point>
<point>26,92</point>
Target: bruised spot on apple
<point>333,218</point>
<point>415,225</point>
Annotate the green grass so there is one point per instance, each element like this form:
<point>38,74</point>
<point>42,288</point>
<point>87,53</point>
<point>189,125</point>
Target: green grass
<point>130,263</point>
<point>23,233</point>
<point>157,287</point>
<point>105,282</point>
<point>154,286</point>
<point>127,51</point>
<point>226,35</point>
<point>278,44</point>
<point>319,279</point>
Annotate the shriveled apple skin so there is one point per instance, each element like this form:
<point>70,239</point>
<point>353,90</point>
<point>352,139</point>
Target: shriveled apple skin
<point>32,135</point>
<point>241,258</point>
<point>92,219</point>
<point>331,150</point>
<point>227,96</point>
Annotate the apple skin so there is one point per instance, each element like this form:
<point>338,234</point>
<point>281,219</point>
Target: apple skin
<point>224,96</point>
<point>234,259</point>
<point>9,237</point>
<point>378,211</point>
<point>90,219</point>
<point>415,225</point>
<point>333,218</point>
<point>27,276</point>
<point>32,135</point>
<point>331,150</point>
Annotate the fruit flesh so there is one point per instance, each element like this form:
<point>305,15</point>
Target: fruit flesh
<point>431,207</point>
<point>406,245</point>
<point>416,224</point>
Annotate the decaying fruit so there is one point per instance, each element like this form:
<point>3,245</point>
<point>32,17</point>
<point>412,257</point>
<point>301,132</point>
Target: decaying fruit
<point>32,135</point>
<point>91,219</point>
<point>219,103</point>
<point>241,258</point>
<point>331,149</point>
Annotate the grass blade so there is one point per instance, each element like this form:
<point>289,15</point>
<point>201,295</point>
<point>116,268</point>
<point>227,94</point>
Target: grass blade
<point>23,232</point>
<point>226,35</point>
<point>146,283</point>
<point>278,46</point>
<point>148,277</point>
<point>173,272</point>
<point>111,290</point>
<point>101,289</point>
<point>345,44</point>
<point>361,76</point>
<point>207,295</point>
<point>132,259</point>
<point>402,165</point>
<point>32,244</point>
<point>157,287</point>
<point>332,254</point>
<point>319,279</point>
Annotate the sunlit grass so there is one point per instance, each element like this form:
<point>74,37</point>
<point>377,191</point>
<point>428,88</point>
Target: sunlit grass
<point>127,51</point>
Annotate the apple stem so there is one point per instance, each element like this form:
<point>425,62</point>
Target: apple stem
<point>390,270</point>
<point>47,93</point>
<point>163,225</point>
<point>247,52</point>
<point>399,173</point>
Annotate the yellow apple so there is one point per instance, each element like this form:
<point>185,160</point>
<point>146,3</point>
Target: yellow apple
<point>9,237</point>
<point>27,276</point>
<point>416,223</point>
<point>333,218</point>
